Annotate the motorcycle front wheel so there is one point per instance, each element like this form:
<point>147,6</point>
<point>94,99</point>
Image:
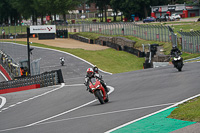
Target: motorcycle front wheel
<point>107,99</point>
<point>179,66</point>
<point>99,95</point>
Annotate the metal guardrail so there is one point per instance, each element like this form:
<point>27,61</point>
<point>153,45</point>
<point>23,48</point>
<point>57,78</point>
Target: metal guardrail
<point>45,79</point>
<point>9,65</point>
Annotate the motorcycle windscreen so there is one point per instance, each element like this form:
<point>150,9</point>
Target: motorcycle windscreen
<point>93,81</point>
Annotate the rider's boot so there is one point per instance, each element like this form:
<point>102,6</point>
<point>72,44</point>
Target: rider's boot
<point>105,87</point>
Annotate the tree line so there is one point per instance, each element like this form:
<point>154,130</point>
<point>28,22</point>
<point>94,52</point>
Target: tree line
<point>16,10</point>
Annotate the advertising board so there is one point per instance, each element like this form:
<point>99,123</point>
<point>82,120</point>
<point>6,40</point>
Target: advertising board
<point>43,29</point>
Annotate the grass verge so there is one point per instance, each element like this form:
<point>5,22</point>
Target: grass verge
<point>188,111</point>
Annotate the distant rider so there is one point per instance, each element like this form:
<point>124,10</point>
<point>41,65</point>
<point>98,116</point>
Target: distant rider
<point>175,51</point>
<point>62,59</point>
<point>93,73</point>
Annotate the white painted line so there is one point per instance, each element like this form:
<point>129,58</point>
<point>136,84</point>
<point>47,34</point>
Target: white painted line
<point>75,85</point>
<point>68,111</point>
<point>105,113</point>
<point>63,113</point>
<point>64,53</point>
<point>3,101</point>
<point>4,76</point>
<point>174,105</point>
<point>3,98</point>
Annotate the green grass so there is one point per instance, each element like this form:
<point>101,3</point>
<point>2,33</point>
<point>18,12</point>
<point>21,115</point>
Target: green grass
<point>178,26</point>
<point>14,29</point>
<point>189,111</point>
<point>109,60</point>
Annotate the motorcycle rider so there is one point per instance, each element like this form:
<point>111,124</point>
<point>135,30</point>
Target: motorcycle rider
<point>62,59</point>
<point>174,51</point>
<point>93,73</point>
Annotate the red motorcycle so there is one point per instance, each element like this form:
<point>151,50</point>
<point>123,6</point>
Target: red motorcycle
<point>98,90</point>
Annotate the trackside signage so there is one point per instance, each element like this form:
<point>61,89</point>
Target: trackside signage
<point>43,29</point>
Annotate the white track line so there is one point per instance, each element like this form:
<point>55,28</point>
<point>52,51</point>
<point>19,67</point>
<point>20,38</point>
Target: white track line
<point>174,105</point>
<point>3,98</point>
<point>4,76</point>
<point>68,111</point>
<point>64,53</point>
<point>3,102</point>
<point>105,113</point>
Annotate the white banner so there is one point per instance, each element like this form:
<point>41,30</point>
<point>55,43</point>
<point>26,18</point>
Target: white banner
<point>43,29</point>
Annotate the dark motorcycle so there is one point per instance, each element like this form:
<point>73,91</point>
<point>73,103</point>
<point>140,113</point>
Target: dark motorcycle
<point>178,61</point>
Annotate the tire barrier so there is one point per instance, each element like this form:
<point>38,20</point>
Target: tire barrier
<point>113,45</point>
<point>118,43</point>
<point>81,38</point>
<point>133,51</point>
<point>147,65</point>
<point>61,33</point>
<point>98,42</point>
<point>42,36</point>
<point>118,40</point>
<point>43,80</point>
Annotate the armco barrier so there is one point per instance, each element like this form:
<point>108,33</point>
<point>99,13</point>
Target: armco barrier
<point>8,66</point>
<point>45,79</point>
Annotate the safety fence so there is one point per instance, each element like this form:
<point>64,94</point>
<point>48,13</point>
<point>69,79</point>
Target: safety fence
<point>147,32</point>
<point>173,36</point>
<point>144,31</point>
<point>45,79</point>
<point>190,41</point>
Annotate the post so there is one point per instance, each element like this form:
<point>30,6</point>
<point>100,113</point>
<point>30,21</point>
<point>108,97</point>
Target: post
<point>28,51</point>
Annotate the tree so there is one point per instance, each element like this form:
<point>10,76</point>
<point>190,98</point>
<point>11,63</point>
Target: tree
<point>8,15</point>
<point>53,7</point>
<point>137,7</point>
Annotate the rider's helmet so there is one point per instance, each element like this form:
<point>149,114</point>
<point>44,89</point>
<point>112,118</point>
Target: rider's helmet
<point>174,47</point>
<point>90,72</point>
<point>96,70</point>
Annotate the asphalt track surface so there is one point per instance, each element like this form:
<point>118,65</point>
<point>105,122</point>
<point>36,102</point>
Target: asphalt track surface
<point>70,108</point>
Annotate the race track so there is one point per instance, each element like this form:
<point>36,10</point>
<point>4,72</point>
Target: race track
<point>70,108</point>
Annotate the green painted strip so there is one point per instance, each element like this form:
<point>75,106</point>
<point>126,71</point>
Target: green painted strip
<point>158,123</point>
